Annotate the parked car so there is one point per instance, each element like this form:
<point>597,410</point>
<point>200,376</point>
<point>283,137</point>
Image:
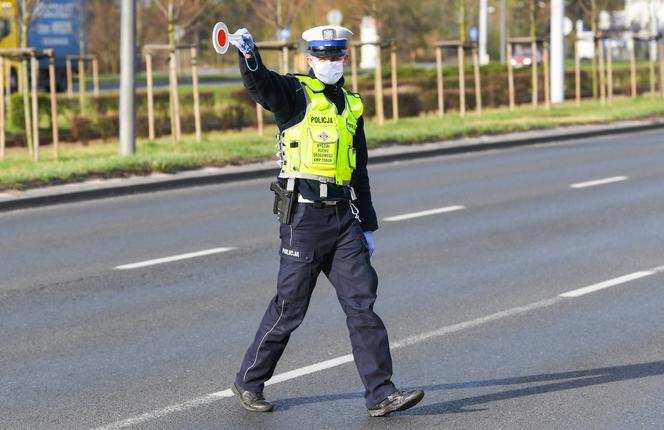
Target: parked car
<point>522,56</point>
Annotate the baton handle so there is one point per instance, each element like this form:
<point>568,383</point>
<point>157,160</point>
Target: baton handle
<point>235,36</point>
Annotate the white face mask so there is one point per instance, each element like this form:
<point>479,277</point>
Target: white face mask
<point>329,72</point>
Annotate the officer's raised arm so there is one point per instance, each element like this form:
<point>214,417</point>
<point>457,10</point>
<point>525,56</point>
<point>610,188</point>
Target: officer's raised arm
<point>271,90</point>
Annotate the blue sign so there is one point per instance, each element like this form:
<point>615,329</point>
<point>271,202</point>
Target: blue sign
<point>473,34</point>
<point>57,25</point>
<point>284,33</point>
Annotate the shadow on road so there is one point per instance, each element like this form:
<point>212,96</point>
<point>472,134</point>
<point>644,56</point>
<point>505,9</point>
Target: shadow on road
<point>564,381</point>
<point>556,382</point>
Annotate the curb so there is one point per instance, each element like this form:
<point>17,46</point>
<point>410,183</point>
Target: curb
<point>128,189</point>
<point>514,143</point>
<point>390,154</point>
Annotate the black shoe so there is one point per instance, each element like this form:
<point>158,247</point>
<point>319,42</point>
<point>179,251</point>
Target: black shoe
<point>397,401</point>
<point>254,402</point>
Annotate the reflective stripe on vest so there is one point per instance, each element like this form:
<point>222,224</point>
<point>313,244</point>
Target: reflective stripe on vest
<point>320,147</point>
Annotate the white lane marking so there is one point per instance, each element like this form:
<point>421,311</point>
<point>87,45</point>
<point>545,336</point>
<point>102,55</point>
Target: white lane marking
<point>607,284</point>
<point>424,213</point>
<point>211,398</point>
<point>411,340</point>
<point>149,416</point>
<point>328,364</point>
<point>313,368</point>
<point>443,331</point>
<point>599,182</point>
<point>173,258</point>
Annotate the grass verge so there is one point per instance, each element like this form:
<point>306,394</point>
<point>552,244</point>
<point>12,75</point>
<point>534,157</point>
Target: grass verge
<point>101,160</point>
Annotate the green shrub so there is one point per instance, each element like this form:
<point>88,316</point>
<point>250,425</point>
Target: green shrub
<point>206,98</point>
<point>82,129</point>
<point>162,125</point>
<point>235,117</point>
<point>67,107</point>
<point>105,103</point>
<point>410,104</point>
<point>160,99</point>
<point>108,126</point>
<point>16,116</point>
<point>242,97</point>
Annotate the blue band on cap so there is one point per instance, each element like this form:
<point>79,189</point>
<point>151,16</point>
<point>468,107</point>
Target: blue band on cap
<point>340,43</point>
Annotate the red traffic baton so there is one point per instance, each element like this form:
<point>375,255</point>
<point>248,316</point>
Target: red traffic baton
<point>221,38</point>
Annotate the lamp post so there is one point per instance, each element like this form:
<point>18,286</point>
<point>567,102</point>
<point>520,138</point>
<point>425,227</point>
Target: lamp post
<point>557,51</point>
<point>127,79</point>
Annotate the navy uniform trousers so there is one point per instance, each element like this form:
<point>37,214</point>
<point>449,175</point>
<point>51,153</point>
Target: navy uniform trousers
<point>329,239</point>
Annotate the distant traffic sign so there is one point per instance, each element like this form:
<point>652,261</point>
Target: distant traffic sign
<point>335,17</point>
<point>284,33</point>
<point>473,34</point>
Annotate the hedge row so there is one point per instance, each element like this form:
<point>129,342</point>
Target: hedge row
<point>85,128</point>
<point>223,110</point>
<point>420,95</point>
<point>103,105</point>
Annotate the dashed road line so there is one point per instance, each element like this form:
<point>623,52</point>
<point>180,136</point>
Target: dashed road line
<point>150,416</point>
<point>411,340</point>
<point>607,284</point>
<point>424,213</point>
<point>328,364</point>
<point>173,258</point>
<point>599,182</point>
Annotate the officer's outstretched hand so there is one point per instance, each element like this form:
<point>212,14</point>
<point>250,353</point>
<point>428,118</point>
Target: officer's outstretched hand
<point>246,44</point>
<point>368,235</point>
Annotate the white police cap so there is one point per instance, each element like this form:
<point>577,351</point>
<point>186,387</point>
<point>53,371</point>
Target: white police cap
<point>327,40</point>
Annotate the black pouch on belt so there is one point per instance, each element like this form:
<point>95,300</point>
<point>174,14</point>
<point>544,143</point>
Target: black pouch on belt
<point>285,202</point>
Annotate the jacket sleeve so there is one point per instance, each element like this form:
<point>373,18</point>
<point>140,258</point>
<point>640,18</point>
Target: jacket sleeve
<point>271,90</point>
<point>360,181</point>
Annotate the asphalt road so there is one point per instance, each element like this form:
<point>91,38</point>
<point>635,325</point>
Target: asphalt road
<point>537,305</point>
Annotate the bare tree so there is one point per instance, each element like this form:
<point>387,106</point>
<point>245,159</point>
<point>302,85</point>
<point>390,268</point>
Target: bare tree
<point>592,8</point>
<point>462,21</point>
<point>184,14</point>
<point>30,9</point>
<point>277,13</point>
<point>414,26</point>
<point>104,17</point>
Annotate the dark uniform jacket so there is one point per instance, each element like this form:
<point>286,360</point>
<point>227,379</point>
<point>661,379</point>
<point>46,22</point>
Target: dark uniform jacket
<point>283,95</point>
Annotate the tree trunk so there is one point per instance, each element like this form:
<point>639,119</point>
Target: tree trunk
<point>462,21</point>
<point>593,28</point>
<point>533,52</point>
<point>174,108</point>
<point>81,28</point>
<point>25,20</point>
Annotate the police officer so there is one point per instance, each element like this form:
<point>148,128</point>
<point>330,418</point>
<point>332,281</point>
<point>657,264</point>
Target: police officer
<point>323,200</point>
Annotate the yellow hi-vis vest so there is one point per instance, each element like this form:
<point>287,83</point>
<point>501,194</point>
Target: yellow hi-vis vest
<point>320,147</point>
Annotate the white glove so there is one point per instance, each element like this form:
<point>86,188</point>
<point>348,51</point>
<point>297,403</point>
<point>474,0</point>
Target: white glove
<point>368,235</point>
<point>245,44</point>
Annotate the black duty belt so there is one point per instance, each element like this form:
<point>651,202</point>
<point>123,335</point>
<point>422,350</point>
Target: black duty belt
<point>301,199</point>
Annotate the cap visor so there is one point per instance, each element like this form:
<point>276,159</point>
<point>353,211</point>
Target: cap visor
<point>327,54</point>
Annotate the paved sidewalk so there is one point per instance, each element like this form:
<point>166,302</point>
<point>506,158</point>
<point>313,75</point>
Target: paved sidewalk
<point>98,188</point>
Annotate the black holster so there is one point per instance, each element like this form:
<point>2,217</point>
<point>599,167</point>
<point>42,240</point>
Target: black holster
<point>285,202</point>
